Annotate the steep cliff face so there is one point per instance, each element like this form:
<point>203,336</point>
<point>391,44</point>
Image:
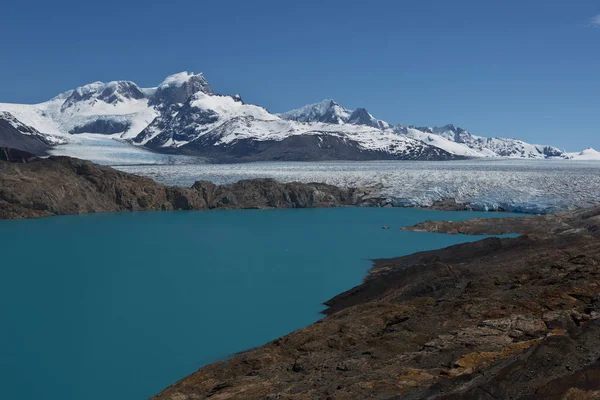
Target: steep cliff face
<point>64,185</point>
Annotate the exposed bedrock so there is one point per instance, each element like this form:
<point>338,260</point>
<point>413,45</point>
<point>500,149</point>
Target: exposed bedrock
<point>64,185</point>
<point>495,319</point>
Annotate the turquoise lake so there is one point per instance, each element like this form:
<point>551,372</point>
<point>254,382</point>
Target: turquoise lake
<point>119,306</point>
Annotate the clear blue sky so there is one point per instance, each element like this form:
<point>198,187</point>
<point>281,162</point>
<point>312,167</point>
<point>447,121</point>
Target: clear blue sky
<point>527,69</point>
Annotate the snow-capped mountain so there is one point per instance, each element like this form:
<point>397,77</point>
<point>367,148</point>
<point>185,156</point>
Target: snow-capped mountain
<point>183,115</point>
<point>119,107</point>
<point>460,141</point>
<point>224,128</point>
<point>588,154</point>
<point>177,89</point>
<point>330,112</point>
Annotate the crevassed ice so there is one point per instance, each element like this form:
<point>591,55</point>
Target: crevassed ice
<point>513,185</point>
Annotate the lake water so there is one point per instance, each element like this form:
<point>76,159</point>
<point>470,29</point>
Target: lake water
<point>119,306</point>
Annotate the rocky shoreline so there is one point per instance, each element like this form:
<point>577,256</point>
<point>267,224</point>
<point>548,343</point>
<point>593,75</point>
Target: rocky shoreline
<point>33,187</point>
<point>495,319</point>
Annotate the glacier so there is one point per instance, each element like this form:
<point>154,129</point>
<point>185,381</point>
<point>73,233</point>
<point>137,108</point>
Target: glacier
<point>528,186</point>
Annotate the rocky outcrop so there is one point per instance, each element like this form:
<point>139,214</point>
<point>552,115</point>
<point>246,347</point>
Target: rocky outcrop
<point>102,125</point>
<point>495,319</point>
<point>586,221</point>
<point>178,88</point>
<point>64,185</point>
<point>16,135</point>
<point>15,156</point>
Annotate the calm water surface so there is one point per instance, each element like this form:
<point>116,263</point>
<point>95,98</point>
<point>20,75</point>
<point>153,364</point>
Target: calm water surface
<point>118,306</point>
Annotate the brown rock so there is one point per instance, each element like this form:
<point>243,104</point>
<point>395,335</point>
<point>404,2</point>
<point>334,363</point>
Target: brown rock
<point>64,185</point>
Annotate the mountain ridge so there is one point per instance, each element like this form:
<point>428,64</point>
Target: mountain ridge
<point>184,115</point>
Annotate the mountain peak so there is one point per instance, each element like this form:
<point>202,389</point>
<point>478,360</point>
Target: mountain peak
<point>182,78</point>
<point>178,88</point>
<point>330,112</point>
<point>328,103</point>
<point>117,91</point>
<point>111,93</point>
<point>588,154</point>
<point>327,111</point>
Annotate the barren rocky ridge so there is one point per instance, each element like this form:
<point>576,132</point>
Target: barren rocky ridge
<point>33,187</point>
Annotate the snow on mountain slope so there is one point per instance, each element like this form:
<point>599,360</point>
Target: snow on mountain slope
<point>177,89</point>
<point>179,124</point>
<point>278,129</point>
<point>328,111</point>
<point>111,151</point>
<point>494,147</point>
<point>588,154</point>
<point>112,108</point>
<point>517,148</point>
<point>183,115</point>
<point>443,143</point>
<point>15,134</point>
<point>449,138</point>
<point>37,116</point>
<point>228,107</point>
<point>119,108</point>
<point>208,121</point>
<point>27,130</point>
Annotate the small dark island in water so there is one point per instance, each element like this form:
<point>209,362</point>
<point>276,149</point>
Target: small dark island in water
<point>500,318</point>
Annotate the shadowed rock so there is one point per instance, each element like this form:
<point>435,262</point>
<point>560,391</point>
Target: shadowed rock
<point>64,185</point>
<point>16,135</point>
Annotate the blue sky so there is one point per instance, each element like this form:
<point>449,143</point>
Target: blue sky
<point>526,69</point>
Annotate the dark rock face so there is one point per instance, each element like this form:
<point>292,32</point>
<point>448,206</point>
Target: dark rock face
<point>178,94</point>
<point>186,123</point>
<point>330,112</point>
<point>449,131</point>
<point>111,93</point>
<point>494,319</point>
<point>122,89</point>
<point>64,185</point>
<point>330,116</point>
<point>181,123</point>
<point>327,111</point>
<point>15,156</point>
<point>103,126</point>
<point>303,148</point>
<point>361,116</point>
<point>24,138</point>
<point>550,151</point>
